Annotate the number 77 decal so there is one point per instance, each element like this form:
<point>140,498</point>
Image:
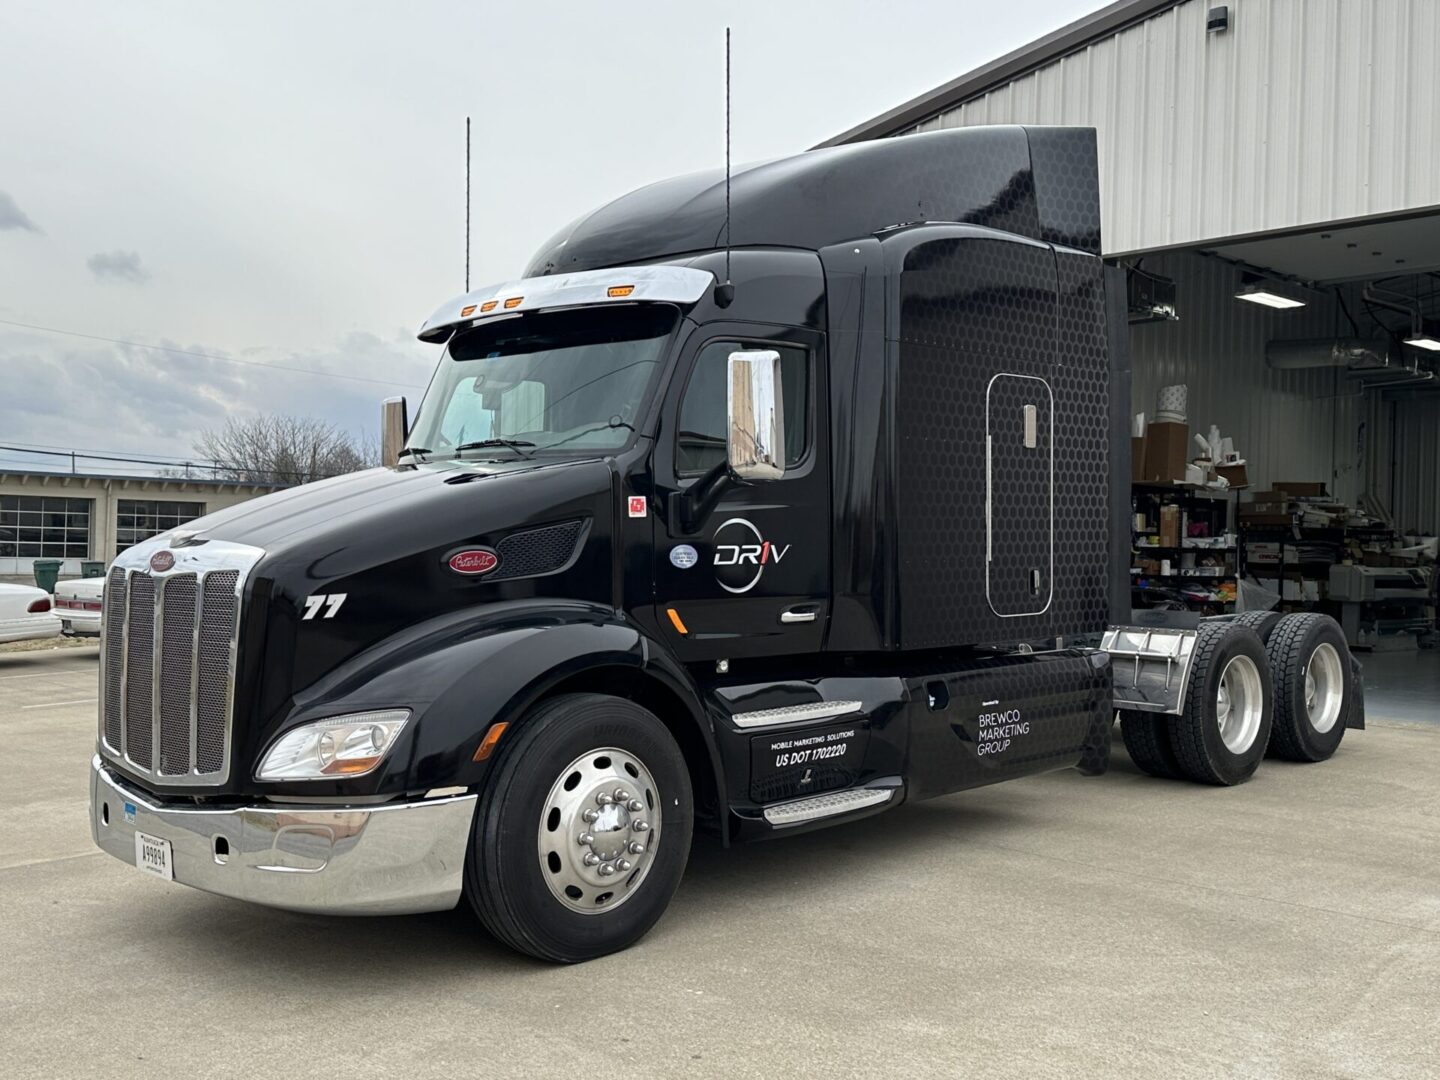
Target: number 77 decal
<point>329,601</point>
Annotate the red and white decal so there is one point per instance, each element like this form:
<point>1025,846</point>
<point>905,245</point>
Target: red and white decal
<point>474,561</point>
<point>162,561</point>
<point>638,507</point>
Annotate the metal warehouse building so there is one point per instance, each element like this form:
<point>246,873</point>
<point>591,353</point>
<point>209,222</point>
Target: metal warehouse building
<point>1258,153</point>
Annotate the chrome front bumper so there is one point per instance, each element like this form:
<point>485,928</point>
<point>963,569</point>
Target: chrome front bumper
<point>388,859</point>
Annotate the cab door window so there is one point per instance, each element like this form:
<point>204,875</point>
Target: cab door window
<point>700,439</point>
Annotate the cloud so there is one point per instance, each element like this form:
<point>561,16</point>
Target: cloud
<point>148,403</point>
<point>12,217</point>
<point>118,266</point>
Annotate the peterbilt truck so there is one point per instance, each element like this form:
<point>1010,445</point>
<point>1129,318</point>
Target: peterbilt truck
<point>754,515</point>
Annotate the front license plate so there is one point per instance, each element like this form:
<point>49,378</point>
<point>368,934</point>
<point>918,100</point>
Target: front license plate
<point>153,856</point>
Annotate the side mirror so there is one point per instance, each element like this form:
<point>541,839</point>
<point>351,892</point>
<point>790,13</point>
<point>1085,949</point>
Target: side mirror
<point>393,429</point>
<point>755,409</point>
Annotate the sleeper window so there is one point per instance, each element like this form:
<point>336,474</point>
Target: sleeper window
<point>700,442</point>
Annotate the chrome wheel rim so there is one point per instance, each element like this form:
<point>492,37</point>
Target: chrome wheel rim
<point>1324,687</point>
<point>1239,704</point>
<point>599,829</point>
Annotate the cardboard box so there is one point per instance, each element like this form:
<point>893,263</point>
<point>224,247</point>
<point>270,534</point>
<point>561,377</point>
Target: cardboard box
<point>1170,525</point>
<point>1302,489</point>
<point>1167,450</point>
<point>1137,460</point>
<point>1234,474</point>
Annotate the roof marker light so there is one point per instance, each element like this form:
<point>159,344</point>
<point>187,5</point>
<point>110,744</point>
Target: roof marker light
<point>467,311</point>
<point>513,302</point>
<point>488,305</point>
<point>615,292</point>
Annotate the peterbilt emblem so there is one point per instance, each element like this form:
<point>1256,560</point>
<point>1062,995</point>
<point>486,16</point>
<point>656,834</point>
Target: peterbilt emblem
<point>474,561</point>
<point>162,561</point>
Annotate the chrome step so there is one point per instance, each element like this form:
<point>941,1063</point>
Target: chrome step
<point>793,714</point>
<point>831,803</point>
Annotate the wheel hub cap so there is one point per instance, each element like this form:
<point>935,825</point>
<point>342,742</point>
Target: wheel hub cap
<point>598,830</point>
<point>1239,704</point>
<point>1324,687</point>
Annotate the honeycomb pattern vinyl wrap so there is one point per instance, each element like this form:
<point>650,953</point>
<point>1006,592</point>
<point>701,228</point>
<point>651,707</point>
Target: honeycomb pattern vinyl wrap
<point>1010,716</point>
<point>971,309</point>
<point>1065,165</point>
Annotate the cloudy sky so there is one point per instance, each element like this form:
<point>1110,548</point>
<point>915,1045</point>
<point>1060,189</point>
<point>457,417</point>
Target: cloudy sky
<point>282,183</point>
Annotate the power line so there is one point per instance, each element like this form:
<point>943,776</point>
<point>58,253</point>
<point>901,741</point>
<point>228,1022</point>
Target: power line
<point>213,356</point>
<point>201,464</point>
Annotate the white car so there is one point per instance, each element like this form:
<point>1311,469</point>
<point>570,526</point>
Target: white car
<point>25,613</point>
<point>77,602</point>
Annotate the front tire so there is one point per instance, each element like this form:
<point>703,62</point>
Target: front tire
<point>582,830</point>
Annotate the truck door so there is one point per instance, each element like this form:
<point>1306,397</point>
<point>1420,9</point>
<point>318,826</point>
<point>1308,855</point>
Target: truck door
<point>753,577</point>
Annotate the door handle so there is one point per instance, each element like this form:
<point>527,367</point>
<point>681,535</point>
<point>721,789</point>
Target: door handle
<point>798,615</point>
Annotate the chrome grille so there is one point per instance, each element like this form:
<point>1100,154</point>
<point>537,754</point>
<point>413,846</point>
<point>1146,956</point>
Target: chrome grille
<point>168,660</point>
<point>113,631</point>
<point>139,724</point>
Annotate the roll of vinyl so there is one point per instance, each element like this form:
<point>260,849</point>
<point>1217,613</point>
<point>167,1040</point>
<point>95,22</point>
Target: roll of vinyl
<point>1171,402</point>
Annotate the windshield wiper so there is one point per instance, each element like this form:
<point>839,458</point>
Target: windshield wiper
<point>417,451</point>
<point>509,444</point>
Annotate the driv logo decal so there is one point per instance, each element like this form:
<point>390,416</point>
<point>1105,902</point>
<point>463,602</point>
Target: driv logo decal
<point>741,555</point>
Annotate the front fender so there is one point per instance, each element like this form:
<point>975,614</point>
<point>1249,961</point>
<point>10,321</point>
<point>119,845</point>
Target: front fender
<point>462,672</point>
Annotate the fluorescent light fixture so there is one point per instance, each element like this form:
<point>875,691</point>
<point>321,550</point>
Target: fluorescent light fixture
<point>1258,294</point>
<point>1422,340</point>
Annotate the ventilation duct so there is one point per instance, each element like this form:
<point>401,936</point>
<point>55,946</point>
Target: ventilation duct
<point>1355,354</point>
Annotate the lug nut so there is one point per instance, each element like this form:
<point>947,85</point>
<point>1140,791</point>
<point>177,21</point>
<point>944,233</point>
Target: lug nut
<point>637,848</point>
<point>640,826</point>
<point>621,794</point>
<point>585,838</point>
<point>606,869</point>
<point>635,805</point>
<point>590,815</point>
<point>591,859</point>
<point>604,799</point>
<point>623,865</point>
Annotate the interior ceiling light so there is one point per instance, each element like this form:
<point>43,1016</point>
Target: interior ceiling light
<point>1423,339</point>
<point>1259,291</point>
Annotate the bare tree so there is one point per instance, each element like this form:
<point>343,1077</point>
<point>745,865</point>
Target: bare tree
<point>278,449</point>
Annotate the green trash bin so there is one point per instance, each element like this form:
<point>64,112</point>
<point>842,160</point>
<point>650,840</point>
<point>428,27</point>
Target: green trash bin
<point>46,573</point>
<point>92,568</point>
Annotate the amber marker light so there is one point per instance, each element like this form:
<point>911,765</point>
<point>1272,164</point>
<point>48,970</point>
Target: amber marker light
<point>615,292</point>
<point>488,305</point>
<point>487,744</point>
<point>676,621</point>
<point>467,311</point>
<point>513,302</point>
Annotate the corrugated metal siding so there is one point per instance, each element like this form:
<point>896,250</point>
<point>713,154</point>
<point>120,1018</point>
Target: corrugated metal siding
<point>1303,112</point>
<point>1311,424</point>
<point>1415,496</point>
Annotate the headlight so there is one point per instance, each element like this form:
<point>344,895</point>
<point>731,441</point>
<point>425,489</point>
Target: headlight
<point>341,746</point>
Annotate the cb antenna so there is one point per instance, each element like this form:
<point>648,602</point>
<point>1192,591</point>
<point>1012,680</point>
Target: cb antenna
<point>725,293</point>
<point>467,204</point>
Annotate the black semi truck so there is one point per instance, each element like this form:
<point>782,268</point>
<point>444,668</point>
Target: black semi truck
<point>753,522</point>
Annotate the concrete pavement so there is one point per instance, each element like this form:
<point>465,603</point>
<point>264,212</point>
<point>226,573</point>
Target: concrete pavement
<point>1053,927</point>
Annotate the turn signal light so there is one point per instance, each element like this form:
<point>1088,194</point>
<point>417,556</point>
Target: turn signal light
<point>487,744</point>
<point>617,291</point>
<point>38,606</point>
<point>513,302</point>
<point>676,621</point>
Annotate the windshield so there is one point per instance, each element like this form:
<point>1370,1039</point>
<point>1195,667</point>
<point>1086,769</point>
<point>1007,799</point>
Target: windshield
<point>574,380</point>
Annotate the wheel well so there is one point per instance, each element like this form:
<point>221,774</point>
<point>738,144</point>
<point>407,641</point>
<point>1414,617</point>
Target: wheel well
<point>652,694</point>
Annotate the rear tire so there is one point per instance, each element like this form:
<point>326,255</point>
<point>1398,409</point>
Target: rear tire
<point>557,781</point>
<point>1314,687</point>
<point>1262,622</point>
<point>1147,740</point>
<point>1229,708</point>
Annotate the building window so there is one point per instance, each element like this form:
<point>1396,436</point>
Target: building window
<point>44,527</point>
<point>140,519</point>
